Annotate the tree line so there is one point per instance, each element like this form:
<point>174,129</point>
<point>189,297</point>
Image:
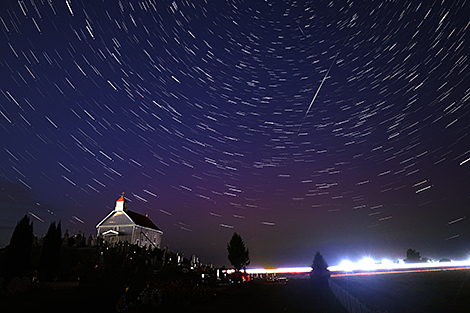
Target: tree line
<point>18,253</point>
<point>57,258</point>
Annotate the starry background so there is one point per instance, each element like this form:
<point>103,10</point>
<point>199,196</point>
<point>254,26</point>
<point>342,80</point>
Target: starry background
<point>337,126</point>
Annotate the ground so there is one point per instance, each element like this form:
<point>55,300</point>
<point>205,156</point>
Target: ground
<point>447,291</point>
<point>297,295</point>
<point>440,291</point>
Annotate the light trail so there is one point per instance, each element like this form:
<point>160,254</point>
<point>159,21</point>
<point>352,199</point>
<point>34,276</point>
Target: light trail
<point>328,72</point>
<point>367,268</point>
<point>400,272</point>
<point>346,266</point>
<point>281,270</point>
<point>321,84</point>
<point>318,90</point>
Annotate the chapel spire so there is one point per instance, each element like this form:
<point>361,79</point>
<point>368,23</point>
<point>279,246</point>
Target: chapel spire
<point>121,204</point>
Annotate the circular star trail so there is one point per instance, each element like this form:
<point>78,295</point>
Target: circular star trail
<point>314,125</point>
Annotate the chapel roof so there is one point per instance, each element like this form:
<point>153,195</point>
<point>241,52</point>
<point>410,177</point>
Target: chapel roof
<point>138,219</point>
<point>142,220</point>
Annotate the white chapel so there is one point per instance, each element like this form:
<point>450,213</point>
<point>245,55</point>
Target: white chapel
<point>123,225</point>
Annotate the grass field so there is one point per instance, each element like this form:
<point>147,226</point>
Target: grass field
<point>444,291</point>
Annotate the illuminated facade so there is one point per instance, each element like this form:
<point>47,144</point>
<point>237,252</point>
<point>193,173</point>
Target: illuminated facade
<point>122,225</point>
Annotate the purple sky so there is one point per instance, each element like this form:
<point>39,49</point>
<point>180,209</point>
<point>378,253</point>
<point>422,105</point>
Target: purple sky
<point>302,125</point>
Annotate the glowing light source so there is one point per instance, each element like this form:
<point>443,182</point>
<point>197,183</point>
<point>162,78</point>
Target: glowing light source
<point>346,265</point>
<point>367,264</point>
<point>387,264</point>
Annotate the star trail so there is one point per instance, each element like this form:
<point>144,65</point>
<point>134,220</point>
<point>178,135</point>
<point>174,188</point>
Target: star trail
<point>336,126</point>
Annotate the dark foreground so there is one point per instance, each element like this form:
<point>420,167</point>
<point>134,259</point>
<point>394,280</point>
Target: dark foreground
<point>441,291</point>
<point>297,295</point>
<point>294,296</point>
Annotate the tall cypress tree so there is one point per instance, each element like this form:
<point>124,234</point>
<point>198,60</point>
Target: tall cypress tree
<point>50,256</point>
<point>18,254</point>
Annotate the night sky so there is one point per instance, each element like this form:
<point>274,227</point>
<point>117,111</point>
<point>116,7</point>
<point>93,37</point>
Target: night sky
<point>338,126</point>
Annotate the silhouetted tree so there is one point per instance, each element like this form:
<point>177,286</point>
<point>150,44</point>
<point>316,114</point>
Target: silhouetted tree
<point>320,268</point>
<point>412,256</point>
<point>238,254</point>
<point>71,241</point>
<point>50,256</point>
<point>18,253</point>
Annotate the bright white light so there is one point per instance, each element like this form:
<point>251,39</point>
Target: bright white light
<point>367,264</point>
<point>387,264</point>
<point>346,266</point>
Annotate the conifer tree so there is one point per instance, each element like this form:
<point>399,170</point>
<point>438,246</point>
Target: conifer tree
<point>320,270</point>
<point>238,254</point>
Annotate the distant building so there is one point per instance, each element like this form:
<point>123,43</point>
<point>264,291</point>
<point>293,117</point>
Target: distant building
<point>123,225</point>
